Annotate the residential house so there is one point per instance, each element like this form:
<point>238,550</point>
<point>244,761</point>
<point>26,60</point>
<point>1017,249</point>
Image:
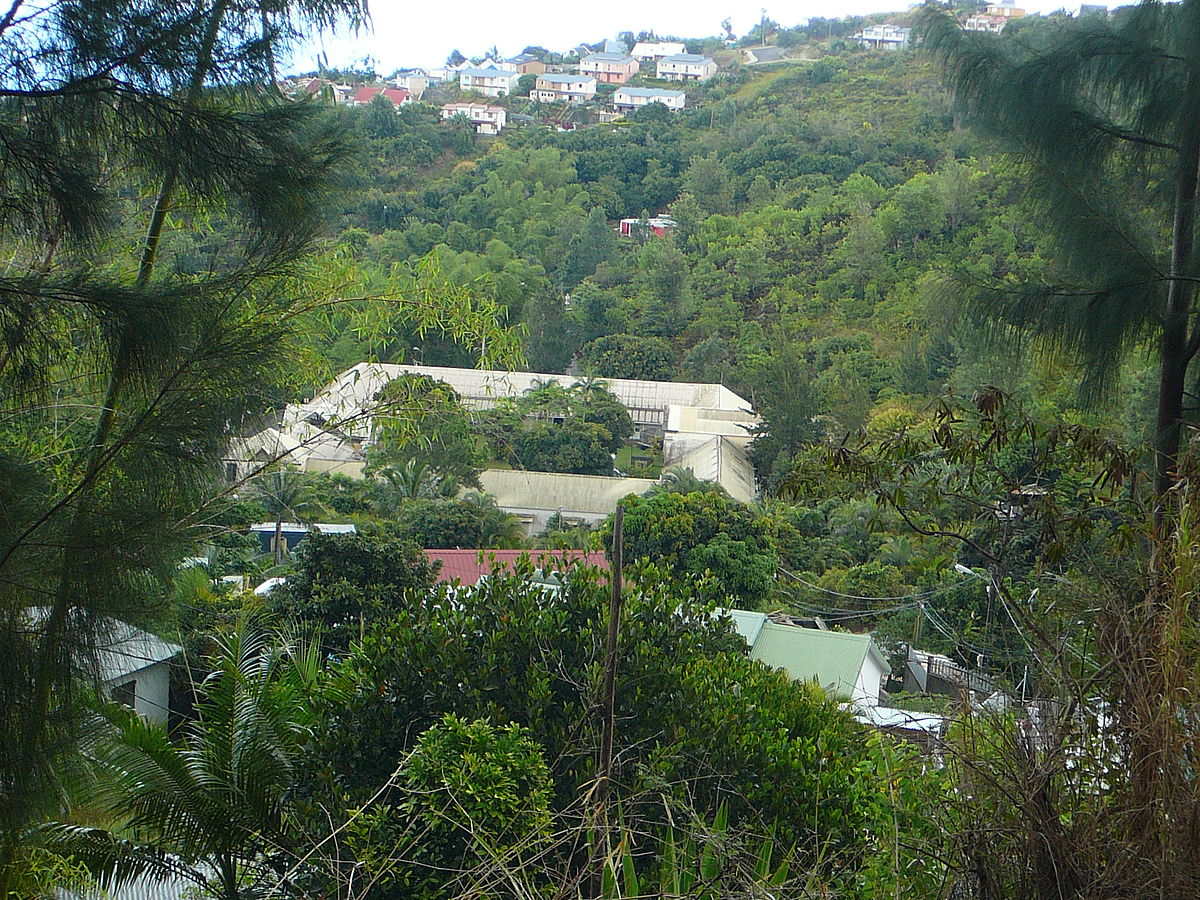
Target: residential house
<point>609,68</point>
<point>990,24</point>
<point>491,82</point>
<point>526,64</point>
<point>552,88</point>
<point>686,67</point>
<point>469,567</point>
<point>1005,10</point>
<point>486,119</point>
<point>626,98</point>
<point>415,81</point>
<point>650,52</point>
<point>883,37</point>
<point>366,93</point>
<point>849,666</point>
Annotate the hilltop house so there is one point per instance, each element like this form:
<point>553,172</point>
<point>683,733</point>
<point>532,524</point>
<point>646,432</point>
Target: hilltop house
<point>883,37</point>
<point>563,88</point>
<point>655,225</point>
<point>626,98</point>
<point>609,68</point>
<point>686,67</point>
<point>415,81</point>
<point>650,52</point>
<point>491,82</point>
<point>366,93</point>
<point>486,119</point>
<point>526,64</point>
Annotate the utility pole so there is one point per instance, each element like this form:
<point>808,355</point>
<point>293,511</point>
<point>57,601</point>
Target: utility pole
<point>604,763</point>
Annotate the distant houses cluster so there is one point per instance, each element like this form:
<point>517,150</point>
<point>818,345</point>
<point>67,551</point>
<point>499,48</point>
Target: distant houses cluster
<point>570,84</point>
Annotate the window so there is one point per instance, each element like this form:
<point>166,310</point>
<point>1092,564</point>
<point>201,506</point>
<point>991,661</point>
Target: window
<point>126,694</point>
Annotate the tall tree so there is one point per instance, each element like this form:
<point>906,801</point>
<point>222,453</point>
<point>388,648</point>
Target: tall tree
<point>1104,118</point>
<point>100,103</point>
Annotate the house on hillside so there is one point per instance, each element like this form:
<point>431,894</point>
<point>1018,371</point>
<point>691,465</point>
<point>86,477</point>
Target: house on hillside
<point>609,68</point>
<point>627,98</point>
<point>883,37</point>
<point>469,567</point>
<point>650,52</point>
<point>985,23</point>
<point>415,81</point>
<point>486,119</point>
<point>686,67</point>
<point>366,93</point>
<point>491,82</point>
<point>525,64</point>
<point>849,666</point>
<point>552,88</point>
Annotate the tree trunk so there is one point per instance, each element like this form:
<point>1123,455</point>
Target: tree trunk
<point>1174,344</point>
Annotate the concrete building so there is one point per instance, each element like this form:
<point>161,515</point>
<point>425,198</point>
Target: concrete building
<point>686,67</point>
<point>491,82</point>
<point>556,88</point>
<point>702,427</point>
<point>883,37</point>
<point>486,119</point>
<point>650,52</point>
<point>609,68</point>
<point>626,98</point>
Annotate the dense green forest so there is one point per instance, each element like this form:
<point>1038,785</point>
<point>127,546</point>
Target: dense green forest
<point>955,281</point>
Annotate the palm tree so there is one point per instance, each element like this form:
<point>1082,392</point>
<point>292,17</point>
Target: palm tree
<point>499,530</point>
<point>212,807</point>
<point>289,493</point>
<point>1088,109</point>
<point>547,398</point>
<point>678,480</point>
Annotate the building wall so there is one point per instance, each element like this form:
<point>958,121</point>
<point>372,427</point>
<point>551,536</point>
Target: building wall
<point>152,691</point>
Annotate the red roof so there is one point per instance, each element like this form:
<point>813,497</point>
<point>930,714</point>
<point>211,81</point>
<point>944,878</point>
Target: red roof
<point>468,566</point>
<point>366,92</point>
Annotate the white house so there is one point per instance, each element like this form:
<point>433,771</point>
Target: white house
<point>415,81</point>
<point>491,82</point>
<point>650,52</point>
<point>635,98</point>
<point>883,37</point>
<point>554,88</point>
<point>686,67</point>
<point>849,666</point>
<point>486,119</point>
<point>132,666</point>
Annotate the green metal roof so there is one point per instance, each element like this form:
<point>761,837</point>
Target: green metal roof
<point>834,659</point>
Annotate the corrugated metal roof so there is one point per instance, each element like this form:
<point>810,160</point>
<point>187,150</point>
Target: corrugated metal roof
<point>834,659</point>
<point>467,567</point>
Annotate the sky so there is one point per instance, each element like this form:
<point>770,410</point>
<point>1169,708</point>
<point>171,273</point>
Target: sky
<point>423,33</point>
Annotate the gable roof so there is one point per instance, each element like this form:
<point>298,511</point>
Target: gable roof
<point>467,567</point>
<point>608,57</point>
<point>834,659</point>
<point>560,78</point>
<point>366,94</point>
<point>490,72</point>
<point>121,649</point>
<point>649,92</point>
<point>693,58</point>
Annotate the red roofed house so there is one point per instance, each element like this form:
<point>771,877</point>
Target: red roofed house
<point>467,567</point>
<point>365,94</point>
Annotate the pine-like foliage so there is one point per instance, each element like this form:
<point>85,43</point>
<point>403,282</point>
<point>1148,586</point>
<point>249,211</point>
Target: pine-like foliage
<point>1103,118</point>
<point>119,121</point>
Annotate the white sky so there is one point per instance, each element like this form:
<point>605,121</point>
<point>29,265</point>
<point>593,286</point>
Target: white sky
<point>423,33</point>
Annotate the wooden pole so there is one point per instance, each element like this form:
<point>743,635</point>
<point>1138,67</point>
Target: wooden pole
<point>604,764</point>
